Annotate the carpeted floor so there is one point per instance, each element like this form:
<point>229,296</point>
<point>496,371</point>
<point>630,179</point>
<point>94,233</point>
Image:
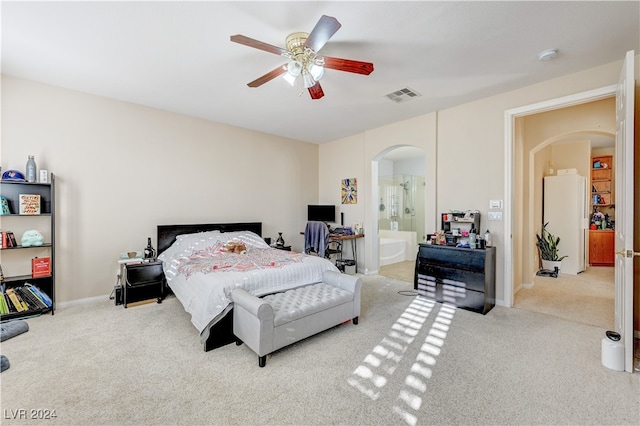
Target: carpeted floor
<point>408,362</point>
<point>587,297</point>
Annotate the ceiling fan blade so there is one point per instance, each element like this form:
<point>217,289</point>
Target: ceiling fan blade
<point>247,41</point>
<point>322,32</point>
<point>316,91</point>
<point>348,65</point>
<point>268,76</point>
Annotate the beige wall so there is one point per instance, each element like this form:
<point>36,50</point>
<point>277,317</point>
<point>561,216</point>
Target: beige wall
<point>358,156</point>
<point>465,147</point>
<point>122,169</point>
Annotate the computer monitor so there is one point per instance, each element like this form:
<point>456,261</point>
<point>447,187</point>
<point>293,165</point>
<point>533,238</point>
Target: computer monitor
<point>321,213</point>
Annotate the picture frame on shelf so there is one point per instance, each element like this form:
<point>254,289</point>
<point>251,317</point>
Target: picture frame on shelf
<point>29,204</point>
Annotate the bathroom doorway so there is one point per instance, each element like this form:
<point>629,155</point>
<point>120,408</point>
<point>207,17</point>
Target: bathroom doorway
<point>401,211</point>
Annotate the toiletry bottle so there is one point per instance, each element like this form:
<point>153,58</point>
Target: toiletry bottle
<point>487,238</point>
<point>472,237</point>
<point>31,169</point>
<point>149,251</point>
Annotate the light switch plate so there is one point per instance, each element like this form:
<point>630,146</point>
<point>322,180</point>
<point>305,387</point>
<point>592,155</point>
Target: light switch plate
<point>495,215</point>
<point>495,204</point>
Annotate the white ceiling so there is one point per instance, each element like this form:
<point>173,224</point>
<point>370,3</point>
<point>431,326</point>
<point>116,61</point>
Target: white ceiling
<point>176,56</point>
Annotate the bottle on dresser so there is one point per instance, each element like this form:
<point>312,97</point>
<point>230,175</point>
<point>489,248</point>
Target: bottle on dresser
<point>149,251</point>
<point>472,237</point>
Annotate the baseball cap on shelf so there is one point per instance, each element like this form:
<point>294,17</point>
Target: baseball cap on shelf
<point>13,175</point>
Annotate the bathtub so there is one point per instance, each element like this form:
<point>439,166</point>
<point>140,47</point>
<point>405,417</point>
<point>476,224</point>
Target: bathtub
<point>392,250</point>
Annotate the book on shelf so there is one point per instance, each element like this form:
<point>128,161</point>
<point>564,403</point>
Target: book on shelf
<point>32,301</point>
<point>4,205</point>
<point>17,301</point>
<point>23,299</point>
<point>41,294</point>
<point>4,309</point>
<point>40,267</point>
<point>10,308</point>
<point>8,239</point>
<point>29,203</point>
<point>38,300</point>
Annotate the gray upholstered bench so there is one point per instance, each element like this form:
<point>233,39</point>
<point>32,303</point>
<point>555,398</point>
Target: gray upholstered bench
<point>272,322</point>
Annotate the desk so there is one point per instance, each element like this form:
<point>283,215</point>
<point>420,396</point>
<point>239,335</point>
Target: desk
<point>340,262</point>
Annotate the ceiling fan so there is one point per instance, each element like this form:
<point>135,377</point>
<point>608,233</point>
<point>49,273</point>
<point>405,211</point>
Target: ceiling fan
<point>304,61</point>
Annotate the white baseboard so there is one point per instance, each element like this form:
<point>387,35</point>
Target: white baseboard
<point>527,285</point>
<point>85,301</point>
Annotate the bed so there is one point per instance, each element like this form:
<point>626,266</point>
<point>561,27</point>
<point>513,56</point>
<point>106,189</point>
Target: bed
<point>202,275</point>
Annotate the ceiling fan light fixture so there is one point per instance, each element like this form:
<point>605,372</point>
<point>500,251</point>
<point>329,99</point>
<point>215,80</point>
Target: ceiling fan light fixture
<point>308,80</point>
<point>316,71</point>
<point>301,58</point>
<point>289,78</point>
<point>294,68</point>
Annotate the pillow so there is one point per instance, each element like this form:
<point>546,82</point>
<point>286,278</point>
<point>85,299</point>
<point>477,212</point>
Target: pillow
<point>187,243</point>
<point>250,239</point>
<point>196,234</point>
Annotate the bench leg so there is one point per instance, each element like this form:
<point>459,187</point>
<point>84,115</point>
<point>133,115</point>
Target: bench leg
<point>262,361</point>
<point>355,320</point>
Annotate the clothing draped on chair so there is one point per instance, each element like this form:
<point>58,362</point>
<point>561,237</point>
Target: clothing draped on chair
<point>316,238</point>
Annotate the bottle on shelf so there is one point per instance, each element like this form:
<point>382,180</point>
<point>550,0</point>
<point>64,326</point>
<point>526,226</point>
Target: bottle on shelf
<point>280,240</point>
<point>31,169</point>
<point>149,251</point>
<point>487,238</point>
<point>472,237</point>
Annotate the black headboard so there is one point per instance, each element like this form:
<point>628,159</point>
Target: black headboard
<point>167,233</point>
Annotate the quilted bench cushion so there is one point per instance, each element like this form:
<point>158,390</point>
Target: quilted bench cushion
<point>300,302</point>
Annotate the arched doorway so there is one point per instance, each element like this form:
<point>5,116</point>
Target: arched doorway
<point>400,195</point>
<point>589,296</point>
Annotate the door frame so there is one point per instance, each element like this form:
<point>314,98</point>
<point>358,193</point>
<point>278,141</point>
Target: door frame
<point>510,116</point>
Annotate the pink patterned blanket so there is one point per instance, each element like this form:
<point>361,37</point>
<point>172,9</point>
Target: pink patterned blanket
<point>216,259</point>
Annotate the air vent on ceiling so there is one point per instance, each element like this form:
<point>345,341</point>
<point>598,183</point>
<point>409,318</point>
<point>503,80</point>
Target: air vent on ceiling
<point>403,95</point>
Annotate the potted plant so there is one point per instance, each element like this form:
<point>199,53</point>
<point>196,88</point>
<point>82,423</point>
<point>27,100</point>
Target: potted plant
<point>548,248</point>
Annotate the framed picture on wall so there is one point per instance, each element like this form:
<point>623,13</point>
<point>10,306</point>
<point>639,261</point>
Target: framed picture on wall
<point>349,191</point>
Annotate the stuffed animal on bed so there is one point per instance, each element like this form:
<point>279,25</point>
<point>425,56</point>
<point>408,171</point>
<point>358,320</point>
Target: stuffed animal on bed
<point>235,247</point>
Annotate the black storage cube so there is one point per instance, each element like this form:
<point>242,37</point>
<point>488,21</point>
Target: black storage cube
<point>144,281</point>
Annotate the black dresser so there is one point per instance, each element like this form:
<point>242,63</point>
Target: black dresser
<point>459,276</point>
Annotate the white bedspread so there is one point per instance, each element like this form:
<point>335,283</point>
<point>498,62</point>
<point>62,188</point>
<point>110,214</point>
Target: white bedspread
<point>202,276</point>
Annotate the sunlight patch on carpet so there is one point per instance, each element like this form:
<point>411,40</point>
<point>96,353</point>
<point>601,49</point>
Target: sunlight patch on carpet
<point>378,366</point>
<point>409,399</point>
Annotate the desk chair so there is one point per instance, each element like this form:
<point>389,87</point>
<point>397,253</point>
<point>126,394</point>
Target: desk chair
<point>317,239</point>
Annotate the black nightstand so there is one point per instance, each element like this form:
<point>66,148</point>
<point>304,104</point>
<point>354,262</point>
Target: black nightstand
<point>143,281</point>
<point>285,248</point>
